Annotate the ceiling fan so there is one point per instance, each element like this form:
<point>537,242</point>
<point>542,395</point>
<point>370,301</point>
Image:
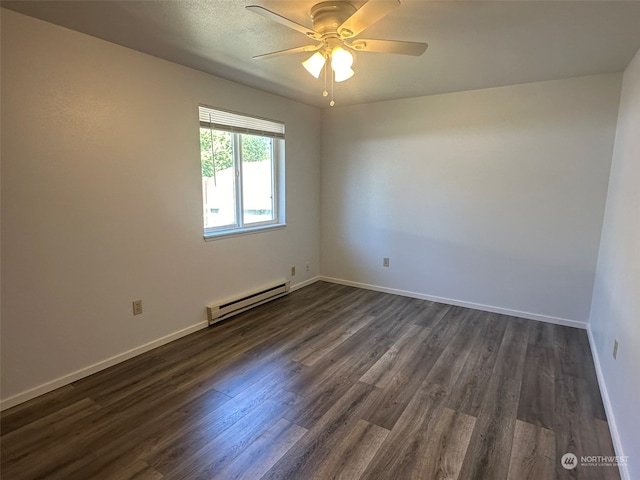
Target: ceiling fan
<point>335,26</point>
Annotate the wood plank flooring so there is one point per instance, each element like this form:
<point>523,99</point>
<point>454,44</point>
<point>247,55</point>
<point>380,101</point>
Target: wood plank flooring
<point>328,382</point>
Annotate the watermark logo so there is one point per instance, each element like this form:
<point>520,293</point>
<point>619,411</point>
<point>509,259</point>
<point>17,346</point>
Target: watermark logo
<point>569,461</point>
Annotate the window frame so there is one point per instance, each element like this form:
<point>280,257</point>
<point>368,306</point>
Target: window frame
<point>277,179</point>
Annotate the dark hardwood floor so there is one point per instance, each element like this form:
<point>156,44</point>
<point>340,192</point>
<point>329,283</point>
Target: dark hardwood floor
<point>328,382</point>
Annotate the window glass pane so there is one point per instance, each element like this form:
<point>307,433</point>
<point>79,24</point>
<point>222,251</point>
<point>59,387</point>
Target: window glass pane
<point>257,179</point>
<point>218,178</point>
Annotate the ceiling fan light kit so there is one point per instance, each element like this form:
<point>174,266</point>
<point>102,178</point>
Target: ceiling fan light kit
<point>341,59</point>
<point>315,63</point>
<point>335,23</point>
<point>341,76</point>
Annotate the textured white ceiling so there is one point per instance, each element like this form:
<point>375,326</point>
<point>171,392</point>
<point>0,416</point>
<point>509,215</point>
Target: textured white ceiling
<point>472,45</point>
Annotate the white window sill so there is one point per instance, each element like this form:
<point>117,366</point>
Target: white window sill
<point>208,237</point>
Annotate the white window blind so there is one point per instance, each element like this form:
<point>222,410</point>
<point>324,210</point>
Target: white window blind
<point>235,122</point>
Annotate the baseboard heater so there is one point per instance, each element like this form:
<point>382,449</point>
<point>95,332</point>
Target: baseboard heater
<point>234,306</point>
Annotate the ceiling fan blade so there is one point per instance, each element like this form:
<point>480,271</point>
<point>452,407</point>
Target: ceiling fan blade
<point>367,15</point>
<point>388,46</point>
<point>283,21</point>
<point>306,48</point>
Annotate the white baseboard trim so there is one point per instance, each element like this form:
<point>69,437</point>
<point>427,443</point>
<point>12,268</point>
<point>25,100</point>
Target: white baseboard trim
<point>460,303</point>
<point>306,283</point>
<point>109,362</point>
<point>608,408</point>
<point>96,367</point>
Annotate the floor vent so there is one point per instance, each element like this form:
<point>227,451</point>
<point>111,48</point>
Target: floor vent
<point>228,308</point>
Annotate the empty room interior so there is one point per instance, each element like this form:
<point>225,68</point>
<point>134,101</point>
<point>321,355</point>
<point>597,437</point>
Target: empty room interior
<point>271,239</point>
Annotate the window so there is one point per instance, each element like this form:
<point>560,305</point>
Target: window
<point>242,161</point>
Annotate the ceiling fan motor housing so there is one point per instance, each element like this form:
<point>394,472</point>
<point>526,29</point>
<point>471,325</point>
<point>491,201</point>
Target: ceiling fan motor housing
<point>328,16</point>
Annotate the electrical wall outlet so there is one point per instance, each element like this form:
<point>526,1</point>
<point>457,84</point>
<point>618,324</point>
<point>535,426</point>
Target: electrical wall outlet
<point>137,307</point>
<point>293,271</point>
<point>307,267</point>
<point>385,262</point>
<point>615,349</point>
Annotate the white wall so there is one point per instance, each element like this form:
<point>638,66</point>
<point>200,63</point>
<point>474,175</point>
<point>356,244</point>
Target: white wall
<point>101,202</point>
<point>615,311</point>
<point>491,197</point>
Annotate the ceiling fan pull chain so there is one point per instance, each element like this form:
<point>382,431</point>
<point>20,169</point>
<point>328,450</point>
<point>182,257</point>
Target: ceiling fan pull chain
<point>332,103</point>
<point>324,92</point>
